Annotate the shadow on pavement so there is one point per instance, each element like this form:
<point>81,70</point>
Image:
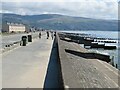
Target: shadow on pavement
<point>52,79</point>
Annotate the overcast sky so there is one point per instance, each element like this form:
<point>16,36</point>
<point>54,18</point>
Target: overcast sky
<point>100,9</point>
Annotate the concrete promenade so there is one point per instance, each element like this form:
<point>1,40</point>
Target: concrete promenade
<point>78,71</point>
<point>26,66</point>
<point>59,64</point>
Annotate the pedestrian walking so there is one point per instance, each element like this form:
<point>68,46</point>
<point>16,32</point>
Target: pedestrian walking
<point>54,33</point>
<point>40,35</point>
<point>47,34</point>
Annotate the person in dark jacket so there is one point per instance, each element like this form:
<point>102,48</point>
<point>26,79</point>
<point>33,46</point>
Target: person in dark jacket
<point>47,34</point>
<point>40,35</point>
<point>54,33</point>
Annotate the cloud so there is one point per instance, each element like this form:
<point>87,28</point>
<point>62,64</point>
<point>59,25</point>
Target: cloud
<point>58,0</point>
<point>101,9</point>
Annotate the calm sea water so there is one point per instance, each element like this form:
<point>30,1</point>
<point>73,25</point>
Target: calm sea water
<point>106,34</point>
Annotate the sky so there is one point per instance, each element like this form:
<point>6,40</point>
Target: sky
<point>98,9</point>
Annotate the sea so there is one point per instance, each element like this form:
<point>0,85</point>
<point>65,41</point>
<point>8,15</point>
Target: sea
<point>106,34</point>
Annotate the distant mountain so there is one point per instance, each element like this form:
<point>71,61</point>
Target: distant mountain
<point>62,22</point>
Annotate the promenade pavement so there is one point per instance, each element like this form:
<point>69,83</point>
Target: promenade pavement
<point>26,66</point>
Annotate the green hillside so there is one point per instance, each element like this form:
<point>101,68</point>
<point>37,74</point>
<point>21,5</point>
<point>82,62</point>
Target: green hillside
<point>61,22</point>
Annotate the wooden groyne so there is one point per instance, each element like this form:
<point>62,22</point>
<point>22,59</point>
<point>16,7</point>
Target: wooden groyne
<point>92,42</point>
<point>82,69</point>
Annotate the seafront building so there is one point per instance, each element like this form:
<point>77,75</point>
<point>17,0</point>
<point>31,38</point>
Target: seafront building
<point>13,27</point>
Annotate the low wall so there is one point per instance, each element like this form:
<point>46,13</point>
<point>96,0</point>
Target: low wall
<point>13,45</point>
<point>102,57</point>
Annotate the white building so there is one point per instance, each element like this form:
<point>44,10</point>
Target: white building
<point>13,27</point>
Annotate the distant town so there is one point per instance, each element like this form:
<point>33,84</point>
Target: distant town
<point>10,27</point>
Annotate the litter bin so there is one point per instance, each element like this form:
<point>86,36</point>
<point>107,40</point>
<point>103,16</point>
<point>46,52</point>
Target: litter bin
<point>24,40</point>
<point>29,38</point>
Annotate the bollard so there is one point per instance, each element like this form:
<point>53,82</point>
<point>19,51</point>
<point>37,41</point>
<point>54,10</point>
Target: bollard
<point>29,38</point>
<point>116,66</point>
<point>24,40</point>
